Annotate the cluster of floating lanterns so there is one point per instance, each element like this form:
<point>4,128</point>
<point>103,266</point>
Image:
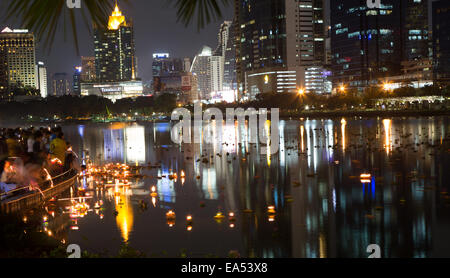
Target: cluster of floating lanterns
<point>365,178</point>
<point>116,175</point>
<point>171,218</point>
<point>108,172</point>
<point>271,213</point>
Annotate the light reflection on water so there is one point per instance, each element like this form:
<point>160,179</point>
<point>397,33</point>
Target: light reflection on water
<point>322,207</point>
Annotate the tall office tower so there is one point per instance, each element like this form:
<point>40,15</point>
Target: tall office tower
<point>441,42</point>
<point>87,69</point>
<point>115,50</point>
<point>229,75</point>
<point>366,41</point>
<point>415,32</point>
<point>17,59</point>
<point>306,43</point>
<point>178,65</point>
<point>160,64</point>
<point>223,38</point>
<point>226,49</point>
<point>276,42</point>
<point>41,79</point>
<point>76,87</point>
<point>216,70</point>
<point>208,71</point>
<point>187,64</point>
<point>61,84</point>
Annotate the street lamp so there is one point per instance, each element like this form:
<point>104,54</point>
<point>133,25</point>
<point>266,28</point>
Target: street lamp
<point>342,89</point>
<point>387,86</point>
<point>301,93</point>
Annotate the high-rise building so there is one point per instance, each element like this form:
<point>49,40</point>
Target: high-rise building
<point>61,84</point>
<point>17,59</point>
<point>226,49</point>
<point>76,86</point>
<point>416,30</point>
<point>115,50</point>
<point>223,38</point>
<point>201,68</point>
<point>41,79</point>
<point>276,42</point>
<point>371,39</point>
<point>216,69</point>
<point>209,70</point>
<point>115,62</point>
<point>441,41</point>
<point>187,64</point>
<point>162,64</point>
<point>366,41</point>
<point>181,84</point>
<point>87,69</point>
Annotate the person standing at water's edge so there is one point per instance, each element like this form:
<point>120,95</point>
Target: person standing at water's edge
<point>58,148</point>
<point>14,149</point>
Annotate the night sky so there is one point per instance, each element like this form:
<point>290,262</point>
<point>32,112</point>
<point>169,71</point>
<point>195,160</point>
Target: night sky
<point>156,30</point>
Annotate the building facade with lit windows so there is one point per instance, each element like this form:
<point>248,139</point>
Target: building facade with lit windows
<point>60,84</point>
<point>115,62</point>
<point>17,59</point>
<point>88,69</point>
<point>115,50</point>
<point>370,43</point>
<point>163,64</point>
<point>441,42</point>
<point>113,90</point>
<point>41,79</point>
<point>284,38</point>
<point>226,49</point>
<point>173,76</point>
<point>416,30</point>
<point>209,71</point>
<point>366,42</point>
<point>76,86</point>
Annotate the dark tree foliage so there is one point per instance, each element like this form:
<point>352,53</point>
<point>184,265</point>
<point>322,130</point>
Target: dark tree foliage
<point>83,107</point>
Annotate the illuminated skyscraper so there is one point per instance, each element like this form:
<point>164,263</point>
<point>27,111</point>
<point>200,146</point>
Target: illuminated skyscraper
<point>370,42</point>
<point>17,59</point>
<point>441,41</point>
<point>41,79</point>
<point>76,88</point>
<point>87,69</point>
<point>416,33</point>
<point>227,50</point>
<point>201,68</point>
<point>209,70</point>
<point>366,41</point>
<point>115,50</point>
<point>162,64</point>
<point>61,84</point>
<point>277,41</point>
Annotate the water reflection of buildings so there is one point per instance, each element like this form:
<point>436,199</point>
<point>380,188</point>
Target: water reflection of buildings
<point>120,143</point>
<point>125,214</point>
<point>331,213</point>
<point>335,216</point>
<point>125,145</point>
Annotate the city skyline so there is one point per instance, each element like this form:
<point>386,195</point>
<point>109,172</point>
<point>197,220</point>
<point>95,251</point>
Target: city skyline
<point>284,129</point>
<point>152,21</point>
<point>292,47</point>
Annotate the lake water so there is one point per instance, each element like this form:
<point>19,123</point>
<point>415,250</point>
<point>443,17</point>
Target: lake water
<point>323,208</point>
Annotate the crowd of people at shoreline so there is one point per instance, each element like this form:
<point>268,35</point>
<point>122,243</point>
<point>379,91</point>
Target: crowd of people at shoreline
<point>29,157</point>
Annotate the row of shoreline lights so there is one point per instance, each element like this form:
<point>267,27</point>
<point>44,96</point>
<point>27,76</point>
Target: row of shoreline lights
<point>387,86</point>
